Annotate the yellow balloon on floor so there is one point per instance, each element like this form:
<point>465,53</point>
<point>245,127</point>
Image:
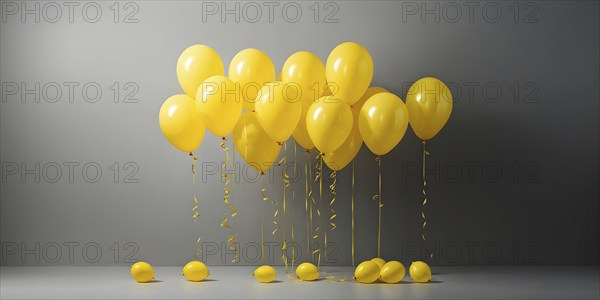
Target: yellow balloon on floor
<point>251,68</point>
<point>429,103</point>
<point>343,155</point>
<point>265,274</point>
<point>420,272</point>
<point>382,122</point>
<point>350,68</point>
<point>253,144</point>
<point>392,272</point>
<point>219,104</point>
<point>329,122</point>
<point>142,272</point>
<point>367,272</point>
<point>180,123</point>
<point>278,109</point>
<point>379,261</point>
<point>307,272</point>
<point>195,64</point>
<point>195,271</point>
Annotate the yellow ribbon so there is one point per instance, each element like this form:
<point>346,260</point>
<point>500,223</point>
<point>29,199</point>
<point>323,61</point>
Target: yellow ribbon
<point>308,227</point>
<point>379,206</point>
<point>317,252</point>
<point>224,223</point>
<point>263,192</point>
<point>293,215</point>
<point>352,213</point>
<point>286,184</point>
<point>425,154</point>
<point>319,177</point>
<point>333,176</point>
<point>196,214</point>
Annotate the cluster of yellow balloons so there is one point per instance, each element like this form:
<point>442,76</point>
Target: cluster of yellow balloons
<point>328,106</point>
<point>143,272</point>
<point>390,272</point>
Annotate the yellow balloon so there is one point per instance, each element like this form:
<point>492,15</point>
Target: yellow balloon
<point>359,104</point>
<point>329,123</point>
<point>307,272</point>
<point>420,272</point>
<point>366,272</point>
<point>429,103</point>
<point>278,109</point>
<point>382,122</point>
<point>180,123</point>
<point>306,71</point>
<point>300,134</point>
<point>195,64</point>
<point>265,274</point>
<point>195,271</point>
<point>327,91</point>
<point>392,272</point>
<point>253,144</point>
<point>219,104</point>
<point>379,261</point>
<point>349,71</point>
<point>251,68</point>
<point>142,272</point>
<point>343,155</point>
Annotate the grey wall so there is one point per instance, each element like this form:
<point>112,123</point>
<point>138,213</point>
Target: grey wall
<point>512,179</point>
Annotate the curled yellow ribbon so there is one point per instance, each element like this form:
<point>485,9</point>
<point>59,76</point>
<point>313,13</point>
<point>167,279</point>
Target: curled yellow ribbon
<point>307,195</point>
<point>231,239</point>
<point>379,206</point>
<point>265,197</point>
<point>425,154</point>
<point>333,176</point>
<point>352,201</point>
<point>286,183</point>
<point>319,177</point>
<point>196,214</point>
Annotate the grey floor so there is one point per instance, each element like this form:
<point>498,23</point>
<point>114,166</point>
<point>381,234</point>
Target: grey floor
<point>237,282</point>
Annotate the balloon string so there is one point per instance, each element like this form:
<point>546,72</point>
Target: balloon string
<point>286,184</point>
<point>263,192</point>
<point>321,201</point>
<point>224,223</point>
<point>308,231</point>
<point>379,206</point>
<point>352,201</point>
<point>196,214</point>
<point>333,176</point>
<point>316,231</point>
<point>293,204</point>
<point>425,154</point>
